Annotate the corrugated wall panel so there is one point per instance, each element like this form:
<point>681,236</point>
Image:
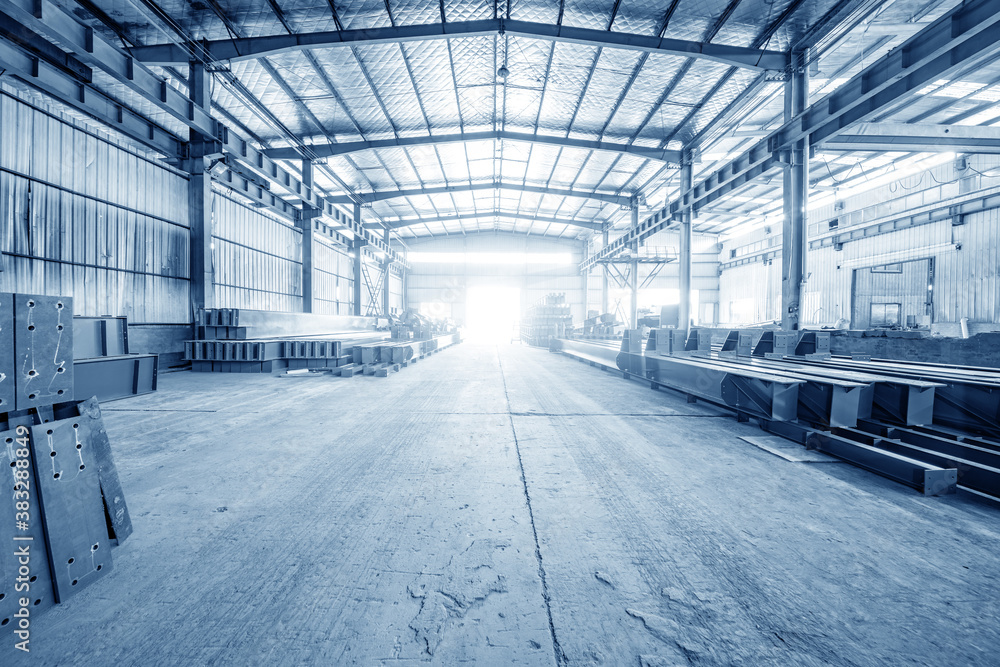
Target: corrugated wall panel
<point>333,280</point>
<point>258,258</point>
<point>966,281</point>
<point>86,218</point>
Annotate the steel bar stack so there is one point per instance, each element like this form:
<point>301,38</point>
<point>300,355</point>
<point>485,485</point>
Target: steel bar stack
<point>64,505</point>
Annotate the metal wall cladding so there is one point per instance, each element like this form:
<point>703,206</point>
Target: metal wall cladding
<point>396,291</point>
<point>258,258</point>
<point>750,293</point>
<point>966,280</point>
<point>85,218</point>
<point>333,280</point>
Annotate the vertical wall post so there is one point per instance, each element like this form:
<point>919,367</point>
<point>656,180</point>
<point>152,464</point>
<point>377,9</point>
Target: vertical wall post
<point>305,223</point>
<point>634,306</point>
<point>795,193</point>
<point>586,280</point>
<point>684,270</point>
<point>385,282</point>
<point>604,273</point>
<point>200,201</point>
<point>358,278</point>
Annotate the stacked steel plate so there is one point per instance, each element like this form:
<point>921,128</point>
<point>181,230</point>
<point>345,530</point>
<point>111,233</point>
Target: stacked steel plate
<point>62,506</point>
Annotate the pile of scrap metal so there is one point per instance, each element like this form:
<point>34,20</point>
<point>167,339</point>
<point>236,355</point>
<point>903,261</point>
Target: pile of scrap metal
<point>102,364</point>
<point>63,506</point>
<point>932,427</point>
<point>549,318</point>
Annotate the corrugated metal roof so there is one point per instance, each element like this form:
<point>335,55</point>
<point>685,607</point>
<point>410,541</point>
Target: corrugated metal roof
<point>371,91</point>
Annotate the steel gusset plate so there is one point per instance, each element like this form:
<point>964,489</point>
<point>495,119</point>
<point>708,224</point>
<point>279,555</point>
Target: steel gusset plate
<point>829,404</point>
<point>43,347</point>
<point>760,398</point>
<point>968,406</point>
<point>7,400</point>
<point>903,404</point>
<point>69,491</point>
<point>13,491</point>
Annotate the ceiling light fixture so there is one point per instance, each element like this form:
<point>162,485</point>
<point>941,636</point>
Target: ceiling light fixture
<point>503,73</point>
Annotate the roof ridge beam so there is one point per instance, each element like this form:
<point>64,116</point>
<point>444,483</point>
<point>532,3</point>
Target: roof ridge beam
<point>256,47</point>
<point>400,223</point>
<point>369,197</point>
<point>346,148</point>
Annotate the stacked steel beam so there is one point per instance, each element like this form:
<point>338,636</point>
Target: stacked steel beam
<point>64,507</point>
<point>549,318</point>
<point>227,343</point>
<point>932,427</point>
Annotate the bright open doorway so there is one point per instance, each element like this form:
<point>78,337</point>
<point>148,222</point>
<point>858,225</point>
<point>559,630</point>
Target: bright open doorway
<point>491,313</point>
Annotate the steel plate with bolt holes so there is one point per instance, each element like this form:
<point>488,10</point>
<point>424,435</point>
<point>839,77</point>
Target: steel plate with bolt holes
<point>111,488</point>
<point>15,536</point>
<point>6,352</point>
<point>70,494</point>
<point>43,349</point>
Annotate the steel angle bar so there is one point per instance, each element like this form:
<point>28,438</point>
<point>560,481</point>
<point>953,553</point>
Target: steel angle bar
<point>927,478</point>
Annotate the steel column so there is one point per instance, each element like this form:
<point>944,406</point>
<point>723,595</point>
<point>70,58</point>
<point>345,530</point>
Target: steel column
<point>684,270</point>
<point>308,242</point>
<point>200,203</point>
<point>385,281</point>
<point>604,274</point>
<point>357,263</point>
<point>634,278</point>
<point>795,191</point>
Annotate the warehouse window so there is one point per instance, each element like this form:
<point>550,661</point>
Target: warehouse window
<point>885,314</point>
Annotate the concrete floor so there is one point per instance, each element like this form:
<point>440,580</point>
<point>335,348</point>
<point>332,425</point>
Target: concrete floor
<point>509,506</point>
